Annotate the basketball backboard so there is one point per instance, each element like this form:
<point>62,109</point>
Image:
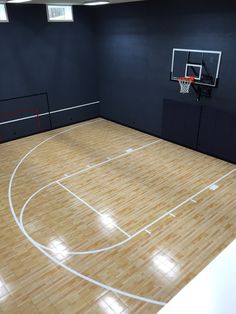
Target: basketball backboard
<point>203,64</point>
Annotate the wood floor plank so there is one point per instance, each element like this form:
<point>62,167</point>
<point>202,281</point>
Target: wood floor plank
<point>101,185</point>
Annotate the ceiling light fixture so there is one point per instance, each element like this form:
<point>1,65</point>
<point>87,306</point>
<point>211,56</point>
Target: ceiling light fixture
<point>96,2</point>
<point>18,1</point>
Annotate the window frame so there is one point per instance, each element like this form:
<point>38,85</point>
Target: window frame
<point>59,5</point>
<point>5,8</point>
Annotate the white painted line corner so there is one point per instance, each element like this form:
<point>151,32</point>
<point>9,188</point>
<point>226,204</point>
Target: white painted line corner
<point>91,207</point>
<point>130,150</point>
<point>213,187</point>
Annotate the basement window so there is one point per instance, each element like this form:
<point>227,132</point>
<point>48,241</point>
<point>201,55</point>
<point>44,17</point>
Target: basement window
<point>60,13</point>
<point>3,13</point>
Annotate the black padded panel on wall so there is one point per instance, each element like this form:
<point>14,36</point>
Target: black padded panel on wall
<point>67,117</point>
<point>217,134</point>
<point>20,107</point>
<point>11,110</point>
<point>181,122</point>
<point>135,42</point>
<point>23,128</point>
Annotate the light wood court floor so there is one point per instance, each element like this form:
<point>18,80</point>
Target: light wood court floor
<point>100,218</point>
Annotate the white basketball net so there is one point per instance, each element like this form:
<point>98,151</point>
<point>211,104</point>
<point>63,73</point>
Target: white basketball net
<point>185,83</point>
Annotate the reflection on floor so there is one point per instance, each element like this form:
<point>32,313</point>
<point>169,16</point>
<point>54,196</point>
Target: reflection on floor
<point>114,209</point>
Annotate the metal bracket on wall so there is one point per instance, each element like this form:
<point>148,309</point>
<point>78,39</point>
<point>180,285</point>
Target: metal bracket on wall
<point>202,91</point>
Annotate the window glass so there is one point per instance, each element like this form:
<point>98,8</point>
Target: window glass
<point>60,13</point>
<point>3,13</point>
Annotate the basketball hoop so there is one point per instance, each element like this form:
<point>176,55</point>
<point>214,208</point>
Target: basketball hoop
<point>185,83</point>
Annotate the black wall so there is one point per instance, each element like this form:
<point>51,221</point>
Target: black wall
<point>120,55</point>
<point>58,59</point>
<point>135,46</point>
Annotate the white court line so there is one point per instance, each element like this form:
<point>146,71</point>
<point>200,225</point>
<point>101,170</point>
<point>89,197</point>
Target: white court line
<point>47,113</point>
<point>148,231</point>
<point>44,249</point>
<point>76,173</point>
<point>213,187</point>
<point>181,204</point>
<point>131,236</point>
<point>60,263</point>
<point>193,201</point>
<point>90,167</point>
<point>39,247</point>
<point>91,207</point>
<point>172,215</point>
<point>69,269</point>
<point>130,150</point>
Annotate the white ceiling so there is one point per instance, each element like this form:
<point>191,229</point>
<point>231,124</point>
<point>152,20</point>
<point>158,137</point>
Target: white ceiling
<point>76,2</point>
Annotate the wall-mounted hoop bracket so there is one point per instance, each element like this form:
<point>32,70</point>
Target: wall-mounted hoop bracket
<point>203,65</point>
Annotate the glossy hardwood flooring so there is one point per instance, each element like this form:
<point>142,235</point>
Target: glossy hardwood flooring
<point>100,218</point>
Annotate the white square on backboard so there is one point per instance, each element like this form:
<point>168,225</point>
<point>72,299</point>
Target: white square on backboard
<point>191,65</point>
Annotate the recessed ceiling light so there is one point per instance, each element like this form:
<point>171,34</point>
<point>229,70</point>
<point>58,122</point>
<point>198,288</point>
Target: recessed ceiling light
<point>18,1</point>
<point>96,2</point>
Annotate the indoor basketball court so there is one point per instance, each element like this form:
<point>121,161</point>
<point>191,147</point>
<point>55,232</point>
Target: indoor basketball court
<point>118,152</point>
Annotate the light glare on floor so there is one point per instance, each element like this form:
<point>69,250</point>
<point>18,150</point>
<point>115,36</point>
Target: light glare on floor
<point>107,220</point>
<point>164,263</point>
<point>111,305</point>
<point>59,249</point>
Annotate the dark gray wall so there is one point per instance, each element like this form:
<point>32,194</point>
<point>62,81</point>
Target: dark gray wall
<point>57,59</point>
<point>121,55</point>
<point>135,47</point>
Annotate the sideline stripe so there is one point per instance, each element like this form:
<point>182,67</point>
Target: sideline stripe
<point>181,204</point>
<point>107,161</point>
<point>91,207</point>
<point>47,113</point>
<point>133,235</point>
